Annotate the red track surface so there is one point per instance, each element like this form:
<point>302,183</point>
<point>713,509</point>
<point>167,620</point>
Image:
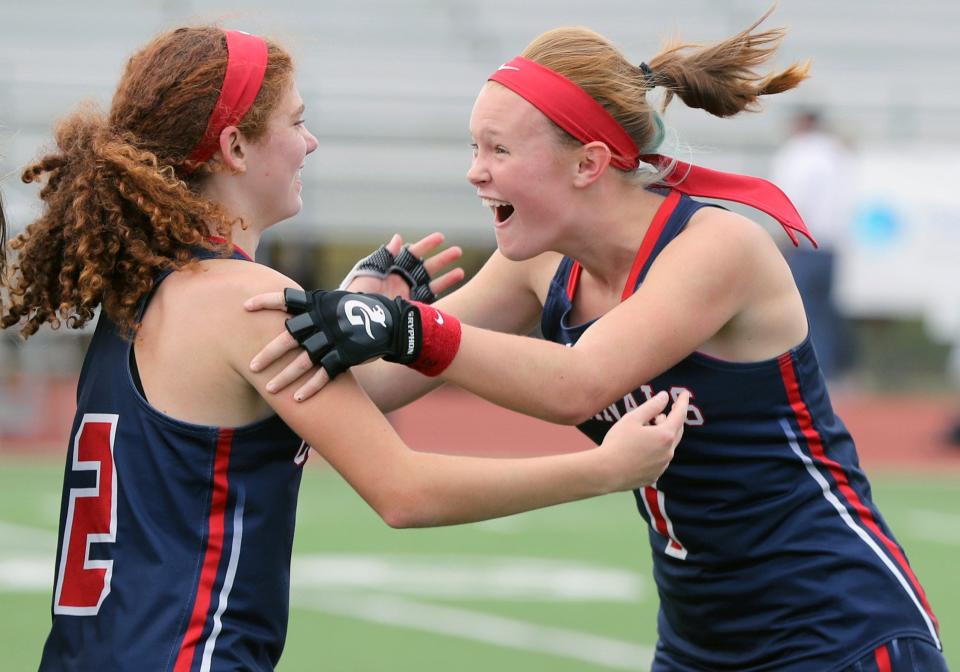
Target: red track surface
<point>906,433</point>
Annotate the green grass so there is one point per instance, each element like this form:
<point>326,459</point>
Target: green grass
<point>326,631</point>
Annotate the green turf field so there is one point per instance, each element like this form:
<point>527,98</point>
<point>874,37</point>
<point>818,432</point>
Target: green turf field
<point>563,589</point>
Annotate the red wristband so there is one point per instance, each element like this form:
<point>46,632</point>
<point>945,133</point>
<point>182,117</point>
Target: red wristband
<point>441,340</point>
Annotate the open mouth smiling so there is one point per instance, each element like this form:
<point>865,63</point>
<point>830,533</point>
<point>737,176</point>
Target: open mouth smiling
<point>502,210</point>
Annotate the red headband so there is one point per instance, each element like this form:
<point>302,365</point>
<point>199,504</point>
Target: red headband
<point>579,114</point>
<point>246,65</point>
<point>568,106</point>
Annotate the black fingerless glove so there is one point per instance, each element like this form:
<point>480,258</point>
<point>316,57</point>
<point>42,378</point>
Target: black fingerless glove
<point>376,264</point>
<point>342,329</point>
<point>412,270</point>
<point>380,263</point>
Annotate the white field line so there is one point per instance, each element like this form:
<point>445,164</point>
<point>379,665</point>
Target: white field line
<point>469,577</point>
<point>23,537</point>
<point>936,526</point>
<point>27,559</point>
<point>480,627</point>
<point>26,572</point>
<point>352,586</point>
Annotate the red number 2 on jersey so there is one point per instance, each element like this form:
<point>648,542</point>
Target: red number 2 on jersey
<point>83,582</point>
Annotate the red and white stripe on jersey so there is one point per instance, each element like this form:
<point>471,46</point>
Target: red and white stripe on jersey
<point>846,499</point>
<point>656,506</point>
<point>211,642</point>
<point>216,525</point>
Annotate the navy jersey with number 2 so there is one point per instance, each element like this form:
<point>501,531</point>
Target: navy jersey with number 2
<point>175,538</point>
<point>768,551</point>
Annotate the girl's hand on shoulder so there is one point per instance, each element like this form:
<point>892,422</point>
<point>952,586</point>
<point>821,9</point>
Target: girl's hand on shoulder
<point>640,446</point>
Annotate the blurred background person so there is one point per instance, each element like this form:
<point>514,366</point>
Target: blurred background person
<point>814,168</point>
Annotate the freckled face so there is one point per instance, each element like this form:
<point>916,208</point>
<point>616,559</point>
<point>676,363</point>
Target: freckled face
<point>275,160</point>
<point>521,170</point>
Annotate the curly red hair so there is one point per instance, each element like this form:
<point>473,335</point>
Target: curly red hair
<point>118,208</point>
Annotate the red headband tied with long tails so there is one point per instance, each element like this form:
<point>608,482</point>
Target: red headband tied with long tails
<point>246,65</point>
<point>579,114</point>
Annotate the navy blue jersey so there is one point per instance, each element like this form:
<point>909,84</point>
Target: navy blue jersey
<point>175,538</point>
<point>768,551</point>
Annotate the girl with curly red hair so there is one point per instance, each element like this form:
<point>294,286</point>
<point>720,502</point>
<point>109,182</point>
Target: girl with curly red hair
<point>182,472</point>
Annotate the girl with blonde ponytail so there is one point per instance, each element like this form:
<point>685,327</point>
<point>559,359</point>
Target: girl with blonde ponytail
<point>769,553</point>
<point>182,471</point>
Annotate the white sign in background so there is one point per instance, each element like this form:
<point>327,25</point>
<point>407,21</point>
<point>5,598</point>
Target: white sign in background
<point>901,258</point>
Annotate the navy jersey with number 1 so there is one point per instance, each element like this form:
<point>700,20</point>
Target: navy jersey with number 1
<point>175,538</point>
<point>768,551</point>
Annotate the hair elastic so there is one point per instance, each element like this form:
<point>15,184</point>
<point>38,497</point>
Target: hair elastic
<point>648,77</point>
<point>246,65</point>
